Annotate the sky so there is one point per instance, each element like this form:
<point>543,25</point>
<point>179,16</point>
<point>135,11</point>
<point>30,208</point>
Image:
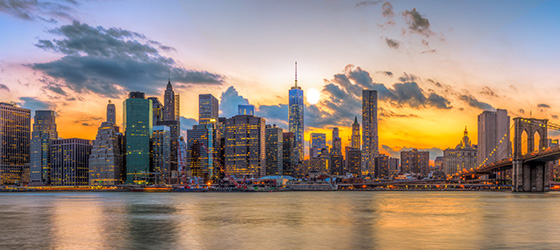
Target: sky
<point>435,64</point>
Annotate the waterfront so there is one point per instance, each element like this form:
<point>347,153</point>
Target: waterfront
<point>292,220</point>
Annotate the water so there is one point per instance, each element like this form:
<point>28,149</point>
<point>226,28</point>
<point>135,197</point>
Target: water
<point>289,220</point>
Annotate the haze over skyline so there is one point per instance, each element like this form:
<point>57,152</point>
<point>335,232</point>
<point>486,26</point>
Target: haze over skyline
<point>436,65</point>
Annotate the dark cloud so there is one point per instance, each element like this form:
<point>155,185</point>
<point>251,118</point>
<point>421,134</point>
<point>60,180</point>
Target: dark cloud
<point>229,101</point>
<point>388,13</point>
<point>4,87</point>
<point>554,117</point>
<point>111,62</point>
<point>275,114</point>
<point>34,104</point>
<point>388,73</point>
<point>473,102</point>
<point>488,91</point>
<point>417,23</point>
<point>388,113</point>
<point>366,3</point>
<point>186,124</point>
<point>430,51</point>
<point>542,105</point>
<point>408,77</point>
<point>90,121</point>
<point>392,43</point>
<point>521,111</point>
<point>33,10</point>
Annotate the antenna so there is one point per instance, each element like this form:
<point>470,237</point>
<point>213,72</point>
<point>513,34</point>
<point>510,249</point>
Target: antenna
<point>296,73</point>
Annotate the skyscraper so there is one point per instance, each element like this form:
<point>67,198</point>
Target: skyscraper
<point>157,109</point>
<point>414,161</point>
<point>289,161</point>
<point>70,162</point>
<point>161,154</point>
<point>208,108</point>
<point>336,143</point>
<point>15,128</point>
<point>355,142</point>
<point>370,140</point>
<point>295,117</point>
<point>245,146</point>
<point>111,113</point>
<point>245,109</point>
<point>138,123</point>
<point>169,103</point>
<point>318,143</point>
<point>44,131</point>
<point>274,153</point>
<point>493,127</point>
<point>106,158</point>
<point>201,150</point>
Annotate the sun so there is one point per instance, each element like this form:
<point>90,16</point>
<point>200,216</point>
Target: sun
<point>313,96</point>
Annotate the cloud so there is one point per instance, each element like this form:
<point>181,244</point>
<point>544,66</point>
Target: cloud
<point>111,62</point>
<point>542,105</point>
<point>275,114</point>
<point>229,101</point>
<point>388,13</point>
<point>33,10</point>
<point>473,102</point>
<point>392,43</point>
<point>554,116</point>
<point>488,91</point>
<point>4,87</point>
<point>366,3</point>
<point>388,73</point>
<point>34,104</point>
<point>408,77</point>
<point>417,23</point>
<point>90,121</point>
<point>186,124</point>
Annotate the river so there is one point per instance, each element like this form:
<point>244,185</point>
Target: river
<point>280,220</point>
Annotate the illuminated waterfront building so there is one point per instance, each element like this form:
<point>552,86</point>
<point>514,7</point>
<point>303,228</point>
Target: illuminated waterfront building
<point>274,152</point>
<point>174,133</point>
<point>336,142</point>
<point>354,161</point>
<point>44,131</point>
<point>245,109</point>
<point>106,158</point>
<point>414,161</point>
<point>157,110</point>
<point>295,117</point>
<point>201,150</point>
<point>381,164</point>
<point>370,139</point>
<point>70,162</point>
<point>336,164</point>
<point>15,130</point>
<point>245,146</point>
<point>138,123</point>
<point>318,143</point>
<point>355,141</point>
<point>393,166</point>
<point>493,130</point>
<point>208,109</point>
<point>161,154</point>
<point>288,156</point>
<point>463,156</point>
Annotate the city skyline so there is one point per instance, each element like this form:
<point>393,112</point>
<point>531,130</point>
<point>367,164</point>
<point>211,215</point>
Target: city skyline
<point>433,76</point>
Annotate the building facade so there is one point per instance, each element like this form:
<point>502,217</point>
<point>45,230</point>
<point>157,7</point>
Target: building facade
<point>493,130</point>
<point>245,146</point>
<point>336,142</point>
<point>463,156</point>
<point>161,154</point>
<point>106,166</point>
<point>15,131</point>
<point>245,109</point>
<point>370,139</point>
<point>354,161</point>
<point>355,139</point>
<point>295,117</point>
<point>208,109</point>
<point>70,162</point>
<point>274,152</point>
<point>414,161</point>
<point>202,150</point>
<point>44,131</point>
<point>288,156</point>
<point>138,124</point>
<point>381,164</point>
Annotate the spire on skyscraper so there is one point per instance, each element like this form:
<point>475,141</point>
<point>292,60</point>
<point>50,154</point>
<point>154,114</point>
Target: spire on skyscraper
<point>296,75</point>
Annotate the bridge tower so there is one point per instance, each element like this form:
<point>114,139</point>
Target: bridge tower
<point>530,176</point>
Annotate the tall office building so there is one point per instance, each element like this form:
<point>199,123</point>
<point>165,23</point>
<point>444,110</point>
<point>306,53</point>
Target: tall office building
<point>463,156</point>
<point>336,143</point>
<point>370,140</point>
<point>157,110</point>
<point>289,161</point>
<point>161,154</point>
<point>353,161</point>
<point>245,146</point>
<point>15,130</point>
<point>318,143</point>
<point>111,113</point>
<point>295,117</point>
<point>106,159</point>
<point>44,131</point>
<point>70,162</point>
<point>208,109</point>
<point>202,150</point>
<point>245,109</point>
<point>138,123</point>
<point>414,161</point>
<point>355,141</point>
<point>169,103</point>
<point>274,153</point>
<point>493,127</point>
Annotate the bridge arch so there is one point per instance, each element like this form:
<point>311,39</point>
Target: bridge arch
<point>531,127</point>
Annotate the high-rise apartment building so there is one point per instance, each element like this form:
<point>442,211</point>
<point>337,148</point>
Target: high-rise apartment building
<point>245,146</point>
<point>161,154</point>
<point>381,164</point>
<point>44,131</point>
<point>354,161</point>
<point>70,162</point>
<point>15,130</point>
<point>208,109</point>
<point>414,161</point>
<point>370,139</point>
<point>138,126</point>
<point>274,153</point>
<point>493,130</point>
<point>295,117</point>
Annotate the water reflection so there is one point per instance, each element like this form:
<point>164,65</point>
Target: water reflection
<point>298,220</point>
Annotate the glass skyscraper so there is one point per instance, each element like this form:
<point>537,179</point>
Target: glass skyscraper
<point>370,140</point>
<point>138,123</point>
<point>295,116</point>
<point>208,109</point>
<point>44,131</point>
